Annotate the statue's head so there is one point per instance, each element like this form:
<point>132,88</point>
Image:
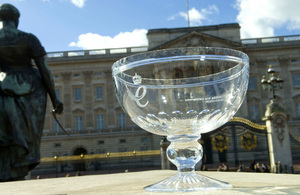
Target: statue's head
<point>9,12</point>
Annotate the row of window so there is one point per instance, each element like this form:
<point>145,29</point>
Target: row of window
<point>275,62</point>
<point>144,140</point>
<point>99,89</point>
<point>295,80</point>
<point>100,122</point>
<point>77,75</point>
<point>255,116</point>
<point>78,93</point>
<point>144,145</point>
<point>123,141</point>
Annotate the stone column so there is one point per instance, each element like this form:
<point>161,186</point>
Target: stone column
<point>261,69</point>
<point>110,98</point>
<point>67,99</point>
<point>88,94</point>
<point>278,137</point>
<point>286,92</point>
<point>165,163</point>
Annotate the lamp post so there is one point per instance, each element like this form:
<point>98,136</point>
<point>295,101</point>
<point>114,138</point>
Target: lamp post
<point>273,82</point>
<point>277,126</point>
<point>82,162</point>
<point>134,154</point>
<point>55,158</point>
<point>107,156</point>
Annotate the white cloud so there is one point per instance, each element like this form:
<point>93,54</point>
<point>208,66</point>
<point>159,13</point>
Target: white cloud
<point>194,15</point>
<point>197,17</point>
<point>78,3</point>
<point>259,18</point>
<point>124,39</point>
<point>171,18</point>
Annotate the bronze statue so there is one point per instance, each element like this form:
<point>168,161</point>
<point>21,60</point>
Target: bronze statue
<point>23,97</point>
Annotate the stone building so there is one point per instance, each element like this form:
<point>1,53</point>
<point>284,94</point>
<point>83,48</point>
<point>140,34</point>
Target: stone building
<point>97,124</point>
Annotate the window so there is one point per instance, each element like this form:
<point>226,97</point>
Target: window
<point>151,96</point>
<point>99,94</point>
<point>76,75</point>
<point>295,60</point>
<point>124,149</point>
<point>122,120</point>
<point>57,94</point>
<point>78,123</point>
<point>144,139</point>
<point>144,148</point>
<point>101,142</point>
<point>298,110</point>
<point>272,62</point>
<point>57,145</point>
<point>296,79</point>
<point>77,94</point>
<point>56,125</point>
<point>122,141</point>
<point>101,151</point>
<point>254,112</point>
<point>100,121</point>
<point>252,83</point>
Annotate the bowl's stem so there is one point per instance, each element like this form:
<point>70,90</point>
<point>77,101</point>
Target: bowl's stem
<point>185,151</point>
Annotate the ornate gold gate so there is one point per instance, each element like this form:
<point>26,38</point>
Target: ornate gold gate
<point>237,133</point>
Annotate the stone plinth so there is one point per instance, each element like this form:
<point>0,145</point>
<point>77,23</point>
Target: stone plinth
<point>133,183</point>
<point>278,138</point>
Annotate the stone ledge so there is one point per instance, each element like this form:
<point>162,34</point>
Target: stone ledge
<point>134,182</point>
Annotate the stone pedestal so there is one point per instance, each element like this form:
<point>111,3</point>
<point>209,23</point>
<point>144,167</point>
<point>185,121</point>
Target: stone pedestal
<point>278,138</point>
<point>133,184</point>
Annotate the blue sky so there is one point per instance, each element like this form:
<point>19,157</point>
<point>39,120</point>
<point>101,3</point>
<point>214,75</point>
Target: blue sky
<point>63,25</point>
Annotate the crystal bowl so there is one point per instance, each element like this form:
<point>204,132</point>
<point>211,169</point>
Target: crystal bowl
<point>182,93</point>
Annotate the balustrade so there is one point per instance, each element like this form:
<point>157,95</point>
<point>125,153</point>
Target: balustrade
<point>94,52</point>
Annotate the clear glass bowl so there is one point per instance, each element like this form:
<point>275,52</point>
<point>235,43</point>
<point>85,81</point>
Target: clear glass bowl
<point>181,93</point>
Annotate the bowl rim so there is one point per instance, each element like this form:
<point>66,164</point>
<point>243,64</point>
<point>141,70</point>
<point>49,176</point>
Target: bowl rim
<point>219,77</point>
<point>130,61</point>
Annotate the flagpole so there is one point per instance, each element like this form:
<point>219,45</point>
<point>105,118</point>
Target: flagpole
<point>188,15</point>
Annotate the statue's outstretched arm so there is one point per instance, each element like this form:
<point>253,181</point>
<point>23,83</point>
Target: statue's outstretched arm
<point>48,80</point>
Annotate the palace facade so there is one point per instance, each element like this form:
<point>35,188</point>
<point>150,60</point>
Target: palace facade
<point>97,124</point>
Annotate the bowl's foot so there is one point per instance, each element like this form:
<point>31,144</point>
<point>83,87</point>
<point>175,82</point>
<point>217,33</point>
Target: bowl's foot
<point>187,182</point>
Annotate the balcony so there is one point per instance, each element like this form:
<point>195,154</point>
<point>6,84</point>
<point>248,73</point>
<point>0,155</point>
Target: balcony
<point>264,40</point>
<point>60,55</point>
<point>48,133</point>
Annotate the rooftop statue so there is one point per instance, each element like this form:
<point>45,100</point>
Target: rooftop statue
<point>23,97</point>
